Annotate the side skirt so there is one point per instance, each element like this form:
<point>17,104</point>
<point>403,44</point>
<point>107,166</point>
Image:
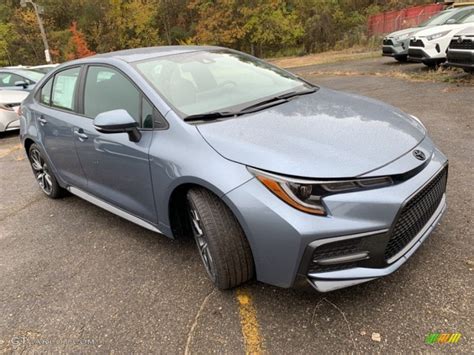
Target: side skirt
<point>108,207</point>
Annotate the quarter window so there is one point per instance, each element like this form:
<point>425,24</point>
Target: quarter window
<point>106,89</point>
<point>45,95</point>
<point>64,89</point>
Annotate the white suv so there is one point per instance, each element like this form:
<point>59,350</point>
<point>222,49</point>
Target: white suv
<point>430,46</point>
<point>396,43</point>
<point>461,50</point>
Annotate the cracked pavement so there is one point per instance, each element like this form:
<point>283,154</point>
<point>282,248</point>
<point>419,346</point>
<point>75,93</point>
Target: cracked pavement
<point>75,278</point>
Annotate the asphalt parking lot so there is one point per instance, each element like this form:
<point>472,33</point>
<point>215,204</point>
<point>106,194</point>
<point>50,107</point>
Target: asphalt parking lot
<point>75,278</point>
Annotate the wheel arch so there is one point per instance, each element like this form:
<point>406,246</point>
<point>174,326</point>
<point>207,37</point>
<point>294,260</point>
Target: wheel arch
<point>27,144</point>
<point>176,211</point>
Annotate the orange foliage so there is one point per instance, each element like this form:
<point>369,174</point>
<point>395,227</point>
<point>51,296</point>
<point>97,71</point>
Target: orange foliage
<point>77,44</point>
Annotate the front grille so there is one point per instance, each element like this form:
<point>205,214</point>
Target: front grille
<point>387,42</point>
<point>416,213</point>
<point>416,43</point>
<point>465,44</point>
<point>332,250</point>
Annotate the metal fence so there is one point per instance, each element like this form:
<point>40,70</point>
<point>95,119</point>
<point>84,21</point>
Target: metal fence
<point>391,21</point>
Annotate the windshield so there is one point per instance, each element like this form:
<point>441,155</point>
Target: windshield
<point>30,74</point>
<point>468,19</point>
<point>208,81</point>
<point>438,19</point>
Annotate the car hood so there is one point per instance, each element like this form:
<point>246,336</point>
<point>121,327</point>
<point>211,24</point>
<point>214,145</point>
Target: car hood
<point>407,31</point>
<point>322,135</point>
<point>12,96</point>
<point>437,29</point>
<point>469,31</point>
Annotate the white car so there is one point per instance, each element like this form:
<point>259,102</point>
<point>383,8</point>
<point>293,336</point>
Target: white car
<point>461,50</point>
<point>10,101</point>
<point>430,46</point>
<point>396,43</point>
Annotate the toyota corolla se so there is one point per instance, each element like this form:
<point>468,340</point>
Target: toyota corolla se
<point>274,177</point>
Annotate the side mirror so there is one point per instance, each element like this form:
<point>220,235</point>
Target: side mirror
<point>21,83</point>
<point>117,121</point>
<point>451,21</point>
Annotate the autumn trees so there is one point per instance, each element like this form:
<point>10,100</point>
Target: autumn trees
<point>77,28</point>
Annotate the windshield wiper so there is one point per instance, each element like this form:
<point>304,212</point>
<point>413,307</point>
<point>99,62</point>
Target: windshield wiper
<point>208,116</point>
<point>272,101</point>
<point>276,100</point>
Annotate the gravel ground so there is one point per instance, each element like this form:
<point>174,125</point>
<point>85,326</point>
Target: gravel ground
<point>75,278</point>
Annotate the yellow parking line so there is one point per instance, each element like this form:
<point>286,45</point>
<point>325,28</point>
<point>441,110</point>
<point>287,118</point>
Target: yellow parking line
<point>249,323</point>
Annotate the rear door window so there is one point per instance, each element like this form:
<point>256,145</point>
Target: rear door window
<point>64,89</point>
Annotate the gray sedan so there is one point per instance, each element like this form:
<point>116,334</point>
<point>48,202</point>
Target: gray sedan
<point>274,177</point>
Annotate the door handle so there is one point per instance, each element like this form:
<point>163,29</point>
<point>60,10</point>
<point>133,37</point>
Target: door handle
<point>42,121</point>
<point>79,133</point>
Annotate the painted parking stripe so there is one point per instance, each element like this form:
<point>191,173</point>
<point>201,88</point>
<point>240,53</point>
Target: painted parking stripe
<point>249,323</point>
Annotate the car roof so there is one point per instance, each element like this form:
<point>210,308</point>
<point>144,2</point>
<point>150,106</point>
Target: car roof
<point>138,54</point>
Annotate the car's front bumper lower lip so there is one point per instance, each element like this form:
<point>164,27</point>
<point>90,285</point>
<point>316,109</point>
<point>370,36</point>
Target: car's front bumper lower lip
<point>333,280</point>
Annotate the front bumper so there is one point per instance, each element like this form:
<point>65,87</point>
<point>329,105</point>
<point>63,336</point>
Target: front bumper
<point>333,280</point>
<point>461,58</point>
<point>393,48</point>
<point>9,121</point>
<point>427,52</point>
<point>281,237</point>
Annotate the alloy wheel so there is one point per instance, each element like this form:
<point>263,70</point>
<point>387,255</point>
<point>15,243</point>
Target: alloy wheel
<point>41,171</point>
<point>202,244</point>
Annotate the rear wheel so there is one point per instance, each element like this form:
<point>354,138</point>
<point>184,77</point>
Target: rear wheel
<point>43,174</point>
<point>221,243</point>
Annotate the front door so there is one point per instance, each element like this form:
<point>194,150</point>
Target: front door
<point>117,170</point>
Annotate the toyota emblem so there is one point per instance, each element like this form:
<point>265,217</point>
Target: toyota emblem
<point>419,154</point>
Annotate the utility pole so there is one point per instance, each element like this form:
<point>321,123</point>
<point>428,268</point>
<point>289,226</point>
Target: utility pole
<point>38,10</point>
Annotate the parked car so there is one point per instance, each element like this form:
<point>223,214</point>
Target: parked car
<point>18,79</point>
<point>43,68</point>
<point>430,46</point>
<point>10,101</point>
<point>461,50</point>
<point>272,175</point>
<point>396,44</point>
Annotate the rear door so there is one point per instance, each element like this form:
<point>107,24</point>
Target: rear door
<point>117,170</point>
<point>55,115</point>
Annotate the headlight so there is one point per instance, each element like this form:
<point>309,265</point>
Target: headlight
<point>419,122</point>
<point>437,35</point>
<point>403,37</point>
<point>307,195</point>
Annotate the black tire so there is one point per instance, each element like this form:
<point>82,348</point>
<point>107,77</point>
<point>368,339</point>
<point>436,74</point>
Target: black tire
<point>43,175</point>
<point>231,262</point>
<point>402,58</point>
<point>469,70</point>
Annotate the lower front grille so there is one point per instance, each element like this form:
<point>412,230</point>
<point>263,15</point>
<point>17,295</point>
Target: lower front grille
<point>416,213</point>
<point>331,250</point>
<point>387,42</point>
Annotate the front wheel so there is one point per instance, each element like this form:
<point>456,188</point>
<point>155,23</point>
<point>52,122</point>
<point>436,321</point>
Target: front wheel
<point>221,243</point>
<point>402,58</point>
<point>43,174</point>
